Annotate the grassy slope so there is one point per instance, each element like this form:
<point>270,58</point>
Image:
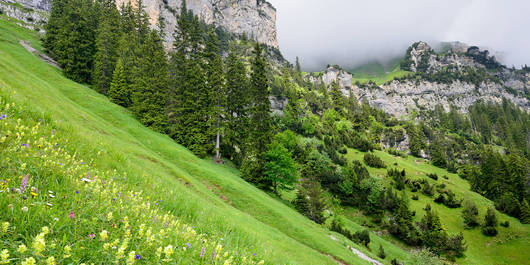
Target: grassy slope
<point>213,198</point>
<point>378,72</point>
<point>511,246</point>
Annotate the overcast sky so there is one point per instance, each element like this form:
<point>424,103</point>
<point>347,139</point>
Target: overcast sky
<point>351,32</point>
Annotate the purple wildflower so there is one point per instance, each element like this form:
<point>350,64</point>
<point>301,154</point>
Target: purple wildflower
<point>254,254</point>
<point>188,245</point>
<point>24,183</point>
<point>202,252</point>
<point>71,215</point>
<point>2,117</point>
<point>213,254</point>
<point>91,236</point>
<point>76,192</point>
<point>137,257</point>
<point>154,219</point>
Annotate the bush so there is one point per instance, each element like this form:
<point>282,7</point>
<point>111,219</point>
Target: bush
<point>505,223</point>
<point>433,176</point>
<point>470,214</point>
<point>415,197</point>
<point>427,189</point>
<point>373,161</point>
<point>490,223</point>
<point>398,177</point>
<point>489,231</point>
<point>343,150</point>
<point>381,252</point>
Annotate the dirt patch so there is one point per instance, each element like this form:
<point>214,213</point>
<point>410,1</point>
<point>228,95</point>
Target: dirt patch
<point>43,57</point>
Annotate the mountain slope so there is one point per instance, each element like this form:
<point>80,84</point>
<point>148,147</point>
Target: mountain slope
<point>210,197</point>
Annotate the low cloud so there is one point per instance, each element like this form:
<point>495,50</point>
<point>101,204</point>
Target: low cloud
<point>351,33</point>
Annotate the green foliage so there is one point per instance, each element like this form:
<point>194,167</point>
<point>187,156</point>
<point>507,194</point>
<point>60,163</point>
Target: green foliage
<point>424,257</point>
<point>399,177</point>
<point>381,252</point>
<point>373,161</point>
<point>119,91</point>
<point>311,202</point>
<point>489,227</point>
<point>470,214</point>
<point>280,168</point>
<point>107,44</point>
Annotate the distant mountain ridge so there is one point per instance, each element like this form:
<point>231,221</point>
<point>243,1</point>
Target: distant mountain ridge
<point>458,76</point>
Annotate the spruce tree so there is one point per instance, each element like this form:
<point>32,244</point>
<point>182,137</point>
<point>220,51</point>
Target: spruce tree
<point>150,84</point>
<point>216,84</point>
<point>260,122</point>
<point>107,44</point>
<point>525,212</point>
<point>470,214</point>
<point>75,42</point>
<point>237,107</point>
<point>52,28</point>
<point>490,223</point>
<point>191,108</point>
<point>119,91</point>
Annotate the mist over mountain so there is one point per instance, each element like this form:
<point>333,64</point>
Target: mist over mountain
<point>351,33</point>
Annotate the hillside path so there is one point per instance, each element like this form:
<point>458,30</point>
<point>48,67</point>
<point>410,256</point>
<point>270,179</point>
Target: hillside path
<point>43,57</point>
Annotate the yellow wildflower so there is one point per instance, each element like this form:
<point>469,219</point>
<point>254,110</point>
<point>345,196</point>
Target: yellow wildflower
<point>169,251</point>
<point>109,216</point>
<point>22,249</point>
<point>130,258</point>
<point>5,226</point>
<point>159,252</point>
<point>261,262</point>
<point>104,235</point>
<point>50,261</point>
<point>39,243</point>
<point>4,255</point>
<point>29,261</point>
<point>67,252</point>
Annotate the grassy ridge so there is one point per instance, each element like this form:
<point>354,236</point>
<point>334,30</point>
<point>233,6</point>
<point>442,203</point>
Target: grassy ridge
<point>509,247</point>
<point>209,197</point>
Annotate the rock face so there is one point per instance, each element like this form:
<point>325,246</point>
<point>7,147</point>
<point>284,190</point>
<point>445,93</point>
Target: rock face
<point>256,18</point>
<point>403,97</point>
<point>31,14</point>
<point>335,74</point>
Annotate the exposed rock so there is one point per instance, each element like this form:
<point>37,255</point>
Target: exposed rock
<point>334,73</point>
<point>256,18</point>
<point>31,14</point>
<point>278,104</point>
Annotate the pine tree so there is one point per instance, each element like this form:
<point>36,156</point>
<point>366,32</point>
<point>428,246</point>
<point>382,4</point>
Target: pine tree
<point>216,83</point>
<point>525,212</point>
<point>490,223</point>
<point>54,25</point>
<point>470,214</point>
<point>432,233</point>
<point>107,44</point>
<point>260,124</point>
<point>191,110</point>
<point>74,47</point>
<point>150,84</point>
<point>237,107</point>
<point>381,252</point>
<point>119,91</point>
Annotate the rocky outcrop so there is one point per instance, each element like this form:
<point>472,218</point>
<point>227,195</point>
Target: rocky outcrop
<point>401,98</point>
<point>255,18</point>
<point>334,74</point>
<point>31,14</point>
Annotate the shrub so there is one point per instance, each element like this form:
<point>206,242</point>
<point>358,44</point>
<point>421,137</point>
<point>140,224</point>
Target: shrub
<point>489,231</point>
<point>490,223</point>
<point>373,161</point>
<point>470,214</point>
<point>505,223</point>
<point>415,197</point>
<point>433,176</point>
<point>427,189</point>
<point>381,252</point>
<point>398,177</point>
<point>343,150</point>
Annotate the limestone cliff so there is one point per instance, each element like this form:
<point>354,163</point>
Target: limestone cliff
<point>458,77</point>
<point>256,18</point>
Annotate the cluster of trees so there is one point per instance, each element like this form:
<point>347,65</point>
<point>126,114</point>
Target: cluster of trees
<point>203,102</point>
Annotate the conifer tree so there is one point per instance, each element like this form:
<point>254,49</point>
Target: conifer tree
<point>119,91</point>
<point>216,84</point>
<point>53,27</point>
<point>191,110</point>
<point>74,47</point>
<point>107,44</point>
<point>150,84</point>
<point>260,123</point>
<point>525,212</point>
<point>237,106</point>
<point>432,233</point>
<point>470,214</point>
